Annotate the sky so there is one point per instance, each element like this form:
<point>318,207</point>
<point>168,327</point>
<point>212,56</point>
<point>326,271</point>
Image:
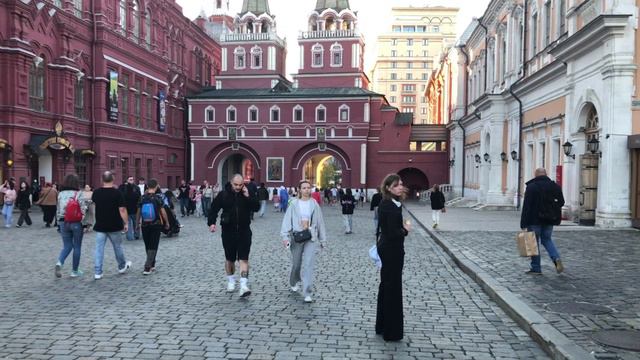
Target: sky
<point>373,19</point>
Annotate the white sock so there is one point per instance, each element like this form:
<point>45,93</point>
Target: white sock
<point>244,281</point>
<point>232,278</point>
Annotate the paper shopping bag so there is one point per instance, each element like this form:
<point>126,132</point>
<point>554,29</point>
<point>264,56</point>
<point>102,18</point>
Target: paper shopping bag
<point>527,243</point>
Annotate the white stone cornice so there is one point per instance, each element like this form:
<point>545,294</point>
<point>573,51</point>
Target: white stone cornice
<point>541,77</point>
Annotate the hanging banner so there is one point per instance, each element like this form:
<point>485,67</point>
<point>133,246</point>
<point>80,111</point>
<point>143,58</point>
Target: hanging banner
<point>162,111</point>
<point>113,96</point>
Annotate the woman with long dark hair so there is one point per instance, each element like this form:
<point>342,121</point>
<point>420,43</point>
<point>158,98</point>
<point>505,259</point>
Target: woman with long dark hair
<point>71,230</point>
<point>391,231</point>
<point>24,203</point>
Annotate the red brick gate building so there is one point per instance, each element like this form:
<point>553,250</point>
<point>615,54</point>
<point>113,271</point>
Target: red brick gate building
<point>257,123</point>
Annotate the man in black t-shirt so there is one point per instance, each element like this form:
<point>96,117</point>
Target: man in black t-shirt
<point>111,222</point>
<point>183,197</point>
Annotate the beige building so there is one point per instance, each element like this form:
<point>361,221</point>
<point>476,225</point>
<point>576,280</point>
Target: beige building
<point>407,54</point>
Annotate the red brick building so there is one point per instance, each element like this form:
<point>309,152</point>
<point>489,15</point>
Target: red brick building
<point>88,86</point>
<point>257,123</point>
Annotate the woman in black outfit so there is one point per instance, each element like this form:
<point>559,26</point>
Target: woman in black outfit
<point>24,203</point>
<point>392,231</point>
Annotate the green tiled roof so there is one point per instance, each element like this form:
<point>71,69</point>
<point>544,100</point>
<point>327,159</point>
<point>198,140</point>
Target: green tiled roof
<point>337,5</point>
<point>281,92</point>
<point>257,7</point>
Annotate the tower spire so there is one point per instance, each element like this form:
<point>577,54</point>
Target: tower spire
<point>337,5</point>
<point>257,7</point>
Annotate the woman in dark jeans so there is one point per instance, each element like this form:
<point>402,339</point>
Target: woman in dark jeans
<point>392,231</point>
<point>24,203</point>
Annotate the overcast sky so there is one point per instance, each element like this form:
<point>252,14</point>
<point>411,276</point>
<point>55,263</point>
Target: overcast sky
<point>373,18</point>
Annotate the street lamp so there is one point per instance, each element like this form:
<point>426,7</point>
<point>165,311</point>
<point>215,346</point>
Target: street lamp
<point>477,158</point>
<point>503,156</point>
<point>593,145</point>
<point>487,158</point>
<point>514,155</point>
<point>452,162</point>
<point>567,150</point>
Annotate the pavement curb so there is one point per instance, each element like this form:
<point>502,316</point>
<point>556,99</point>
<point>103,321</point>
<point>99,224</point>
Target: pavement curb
<point>552,341</point>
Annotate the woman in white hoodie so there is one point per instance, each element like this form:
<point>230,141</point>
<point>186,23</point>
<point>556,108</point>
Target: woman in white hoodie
<point>303,217</point>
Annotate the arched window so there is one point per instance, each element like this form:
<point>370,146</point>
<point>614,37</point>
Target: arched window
<point>79,96</point>
<point>344,113</point>
<point>336,55</point>
<point>77,8</point>
<point>135,18</point>
<point>298,114</point>
<point>123,15</point>
<point>239,58</point>
<point>210,114</point>
<point>253,114</point>
<point>36,84</point>
<point>321,113</point>
<point>316,54</point>
<point>231,114</point>
<point>275,114</point>
<point>147,24</point>
<point>256,57</point>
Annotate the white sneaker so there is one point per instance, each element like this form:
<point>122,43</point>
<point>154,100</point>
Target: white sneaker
<point>97,276</point>
<point>244,291</point>
<point>126,267</point>
<point>231,286</point>
<point>308,299</point>
<point>295,288</point>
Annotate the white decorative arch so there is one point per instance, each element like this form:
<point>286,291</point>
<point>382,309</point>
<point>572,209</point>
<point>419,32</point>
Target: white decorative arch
<point>293,113</point>
<point>256,57</point>
<point>317,55</point>
<point>210,110</point>
<point>303,156</point>
<point>321,107</point>
<point>239,58</point>
<point>257,110</point>
<point>232,118</point>
<point>272,115</point>
<point>341,112</point>
<point>336,55</point>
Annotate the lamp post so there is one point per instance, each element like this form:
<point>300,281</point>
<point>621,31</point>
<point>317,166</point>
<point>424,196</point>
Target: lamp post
<point>477,158</point>
<point>567,147</point>
<point>514,156</point>
<point>503,156</point>
<point>487,158</point>
<point>593,146</point>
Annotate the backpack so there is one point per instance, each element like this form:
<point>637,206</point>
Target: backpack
<point>149,210</point>
<point>550,209</point>
<point>73,212</point>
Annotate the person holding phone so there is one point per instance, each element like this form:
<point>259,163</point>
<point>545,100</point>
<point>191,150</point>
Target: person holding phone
<point>236,204</point>
<point>10,195</point>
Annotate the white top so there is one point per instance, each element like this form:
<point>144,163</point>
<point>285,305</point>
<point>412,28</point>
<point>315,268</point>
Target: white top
<point>305,207</point>
<point>398,203</point>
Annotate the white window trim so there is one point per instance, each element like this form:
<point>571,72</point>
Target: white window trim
<point>236,114</point>
<point>256,50</point>
<point>236,52</point>
<point>314,50</point>
<point>321,107</point>
<point>344,107</point>
<point>293,114</point>
<point>275,107</point>
<point>253,107</point>
<point>206,111</point>
<point>336,48</point>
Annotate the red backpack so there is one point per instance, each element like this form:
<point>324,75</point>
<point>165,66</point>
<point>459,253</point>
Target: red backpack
<point>73,213</point>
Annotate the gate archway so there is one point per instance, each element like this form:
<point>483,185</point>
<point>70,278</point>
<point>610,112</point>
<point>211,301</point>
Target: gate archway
<point>415,181</point>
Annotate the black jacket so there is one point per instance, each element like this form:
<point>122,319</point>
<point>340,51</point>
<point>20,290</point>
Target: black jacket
<point>375,201</point>
<point>22,199</point>
<point>131,193</point>
<point>532,199</point>
<point>236,209</point>
<point>263,194</point>
<point>390,224</point>
<point>348,203</point>
<point>437,200</point>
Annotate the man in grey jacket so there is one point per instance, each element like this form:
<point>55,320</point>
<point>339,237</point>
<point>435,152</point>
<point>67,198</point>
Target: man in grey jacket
<point>304,213</point>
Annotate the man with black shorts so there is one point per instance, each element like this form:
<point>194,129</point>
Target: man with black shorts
<point>237,204</point>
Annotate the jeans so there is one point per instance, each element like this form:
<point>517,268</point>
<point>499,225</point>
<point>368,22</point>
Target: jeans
<point>7,214</point>
<point>184,206</point>
<point>206,205</point>
<point>132,232</point>
<point>71,240</point>
<point>543,234</point>
<point>263,207</point>
<point>116,241</point>
<point>24,217</point>
<point>348,222</point>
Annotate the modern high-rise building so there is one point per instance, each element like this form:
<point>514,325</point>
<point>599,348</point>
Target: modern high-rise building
<point>407,52</point>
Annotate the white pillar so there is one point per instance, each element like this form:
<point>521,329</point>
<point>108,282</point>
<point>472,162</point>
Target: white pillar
<point>363,164</point>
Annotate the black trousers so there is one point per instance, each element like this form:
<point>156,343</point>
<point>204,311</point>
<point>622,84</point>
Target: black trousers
<point>49,213</point>
<point>151,238</point>
<point>24,217</point>
<point>389,314</point>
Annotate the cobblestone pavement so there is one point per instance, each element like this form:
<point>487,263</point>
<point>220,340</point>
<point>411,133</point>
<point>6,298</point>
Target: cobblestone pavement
<point>601,267</point>
<point>183,312</point>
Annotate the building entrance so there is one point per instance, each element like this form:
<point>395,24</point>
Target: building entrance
<point>323,171</point>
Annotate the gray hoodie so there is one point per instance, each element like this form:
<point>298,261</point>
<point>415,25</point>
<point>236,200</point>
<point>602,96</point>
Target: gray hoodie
<point>291,222</point>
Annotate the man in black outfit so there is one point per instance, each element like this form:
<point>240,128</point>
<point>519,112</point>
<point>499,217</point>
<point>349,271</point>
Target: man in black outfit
<point>183,197</point>
<point>237,205</point>
<point>132,195</point>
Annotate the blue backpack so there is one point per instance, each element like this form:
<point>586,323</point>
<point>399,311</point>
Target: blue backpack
<point>149,211</point>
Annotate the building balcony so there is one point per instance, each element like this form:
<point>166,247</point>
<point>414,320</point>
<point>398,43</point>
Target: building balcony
<point>324,34</point>
<point>249,37</point>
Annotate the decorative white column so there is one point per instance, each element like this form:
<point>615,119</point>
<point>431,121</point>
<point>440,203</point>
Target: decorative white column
<point>363,164</point>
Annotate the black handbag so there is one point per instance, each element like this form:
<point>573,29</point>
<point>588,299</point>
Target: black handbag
<point>304,235</point>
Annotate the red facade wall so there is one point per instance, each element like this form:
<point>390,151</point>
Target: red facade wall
<point>71,48</point>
